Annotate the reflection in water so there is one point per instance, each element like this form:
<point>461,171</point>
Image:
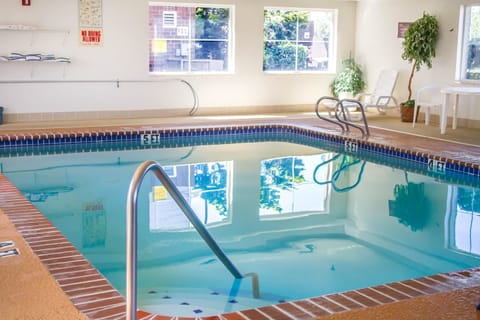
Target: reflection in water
<point>410,204</point>
<point>464,219</point>
<point>206,187</point>
<point>94,225</point>
<point>42,194</point>
<point>274,208</point>
<point>341,165</point>
<point>286,186</point>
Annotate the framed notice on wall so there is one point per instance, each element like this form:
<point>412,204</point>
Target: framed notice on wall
<point>91,22</point>
<point>402,28</point>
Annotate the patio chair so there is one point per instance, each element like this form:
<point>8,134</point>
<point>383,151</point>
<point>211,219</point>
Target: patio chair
<point>381,97</point>
<point>427,97</point>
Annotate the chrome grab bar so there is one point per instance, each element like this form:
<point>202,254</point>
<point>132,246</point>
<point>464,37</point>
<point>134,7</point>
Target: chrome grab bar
<point>131,282</point>
<point>326,118</point>
<point>117,82</point>
<point>347,122</point>
<point>341,112</point>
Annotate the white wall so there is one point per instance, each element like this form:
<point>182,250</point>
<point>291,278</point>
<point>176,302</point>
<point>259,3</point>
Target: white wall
<point>377,45</point>
<point>367,28</point>
<point>124,56</point>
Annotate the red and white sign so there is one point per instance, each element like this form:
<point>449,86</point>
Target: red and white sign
<point>26,2</point>
<point>91,36</point>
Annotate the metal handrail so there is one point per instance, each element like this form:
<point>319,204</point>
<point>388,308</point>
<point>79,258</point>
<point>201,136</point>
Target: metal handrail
<point>326,118</point>
<point>342,112</point>
<point>131,282</point>
<point>340,107</point>
<point>117,82</point>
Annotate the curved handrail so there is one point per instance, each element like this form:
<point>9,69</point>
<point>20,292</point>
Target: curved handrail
<point>131,282</point>
<point>195,98</point>
<point>341,107</point>
<point>117,83</point>
<point>325,118</point>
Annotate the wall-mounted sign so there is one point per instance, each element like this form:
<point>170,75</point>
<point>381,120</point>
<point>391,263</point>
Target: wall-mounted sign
<point>91,36</point>
<point>91,22</point>
<point>402,28</point>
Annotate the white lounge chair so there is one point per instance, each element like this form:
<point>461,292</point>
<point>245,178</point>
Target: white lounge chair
<point>381,97</point>
<point>427,97</point>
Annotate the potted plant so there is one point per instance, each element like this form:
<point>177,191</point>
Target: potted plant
<point>418,49</point>
<point>349,82</point>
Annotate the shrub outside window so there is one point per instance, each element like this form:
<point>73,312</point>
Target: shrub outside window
<point>299,40</point>
<point>186,38</point>
<point>468,55</point>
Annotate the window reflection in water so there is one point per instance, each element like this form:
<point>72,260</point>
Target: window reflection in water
<point>287,185</point>
<point>464,219</point>
<point>205,186</point>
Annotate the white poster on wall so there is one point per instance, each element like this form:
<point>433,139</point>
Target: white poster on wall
<point>91,22</point>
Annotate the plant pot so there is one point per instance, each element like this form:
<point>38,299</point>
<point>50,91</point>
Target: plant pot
<point>345,95</point>
<point>406,113</point>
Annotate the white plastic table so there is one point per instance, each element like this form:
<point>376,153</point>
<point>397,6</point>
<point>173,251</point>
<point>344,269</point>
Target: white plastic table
<point>456,91</point>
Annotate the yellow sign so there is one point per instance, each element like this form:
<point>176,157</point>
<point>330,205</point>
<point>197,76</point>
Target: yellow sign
<point>159,193</point>
<point>159,46</point>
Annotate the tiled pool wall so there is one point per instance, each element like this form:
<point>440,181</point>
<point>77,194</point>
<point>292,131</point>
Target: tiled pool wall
<point>93,295</point>
<point>441,167</point>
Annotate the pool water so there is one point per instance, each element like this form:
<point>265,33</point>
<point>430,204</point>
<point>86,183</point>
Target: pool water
<point>308,221</point>
<point>327,264</point>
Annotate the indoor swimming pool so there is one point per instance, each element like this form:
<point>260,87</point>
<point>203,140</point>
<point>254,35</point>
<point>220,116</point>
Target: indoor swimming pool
<point>309,218</point>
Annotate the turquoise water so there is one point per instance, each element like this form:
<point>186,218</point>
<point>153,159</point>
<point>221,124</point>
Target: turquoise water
<point>308,221</point>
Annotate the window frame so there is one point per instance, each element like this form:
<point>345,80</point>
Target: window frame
<point>230,55</point>
<point>333,42</point>
<point>462,43</point>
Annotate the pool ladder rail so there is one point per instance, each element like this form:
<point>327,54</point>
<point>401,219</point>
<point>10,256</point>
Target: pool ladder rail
<point>131,281</point>
<point>342,115</point>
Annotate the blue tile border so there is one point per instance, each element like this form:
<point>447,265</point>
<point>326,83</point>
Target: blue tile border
<point>103,140</point>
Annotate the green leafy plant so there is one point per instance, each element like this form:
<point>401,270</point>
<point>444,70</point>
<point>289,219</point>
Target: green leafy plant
<point>350,79</point>
<point>410,205</point>
<point>280,55</point>
<point>419,46</point>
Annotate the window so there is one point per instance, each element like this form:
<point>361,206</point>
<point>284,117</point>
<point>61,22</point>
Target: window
<point>288,185</point>
<point>205,186</point>
<point>299,40</point>
<point>468,55</point>
<point>186,38</point>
